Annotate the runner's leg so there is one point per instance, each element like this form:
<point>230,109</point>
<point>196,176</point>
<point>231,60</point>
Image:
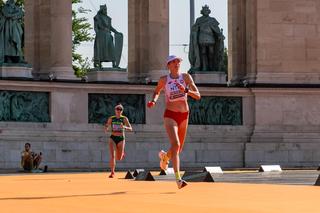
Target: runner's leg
<point>173,153</point>
<point>182,132</point>
<point>112,157</point>
<point>120,150</point>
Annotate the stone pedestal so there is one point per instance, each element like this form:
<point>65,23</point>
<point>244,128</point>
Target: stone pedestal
<point>15,71</point>
<point>154,75</point>
<point>108,74</point>
<point>209,77</point>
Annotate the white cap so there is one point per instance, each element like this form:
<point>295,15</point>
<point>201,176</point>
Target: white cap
<point>172,58</point>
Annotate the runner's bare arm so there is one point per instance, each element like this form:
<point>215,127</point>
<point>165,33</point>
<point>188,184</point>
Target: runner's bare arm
<point>160,86</point>
<point>127,125</point>
<point>107,125</point>
<point>192,90</point>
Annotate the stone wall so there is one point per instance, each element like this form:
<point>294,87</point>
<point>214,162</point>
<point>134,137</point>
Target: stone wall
<point>286,127</point>
<point>278,126</point>
<point>288,41</point>
<point>70,141</point>
<point>274,41</point>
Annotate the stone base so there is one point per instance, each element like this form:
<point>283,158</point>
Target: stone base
<point>154,75</point>
<point>63,73</point>
<point>56,73</point>
<point>209,77</point>
<point>114,75</point>
<point>16,71</point>
<point>52,76</point>
<point>287,78</point>
<point>280,126</point>
<point>297,154</point>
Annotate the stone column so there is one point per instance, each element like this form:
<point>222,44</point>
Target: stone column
<point>251,41</point>
<point>29,34</point>
<point>138,57</point>
<point>61,39</point>
<point>288,42</point>
<point>159,38</point>
<point>37,35</point>
<point>48,38</point>
<point>148,39</point>
<point>237,40</point>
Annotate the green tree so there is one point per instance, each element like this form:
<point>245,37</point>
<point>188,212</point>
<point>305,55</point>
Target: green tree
<point>80,33</point>
<point>225,60</point>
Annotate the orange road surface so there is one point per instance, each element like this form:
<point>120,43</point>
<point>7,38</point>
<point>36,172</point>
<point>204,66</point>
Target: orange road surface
<point>95,193</point>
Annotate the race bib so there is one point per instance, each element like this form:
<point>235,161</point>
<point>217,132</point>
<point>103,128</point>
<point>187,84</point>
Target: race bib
<point>117,127</point>
<point>175,92</point>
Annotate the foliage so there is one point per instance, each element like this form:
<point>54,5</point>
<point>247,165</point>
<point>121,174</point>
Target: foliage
<point>80,65</point>
<point>80,33</point>
<point>225,60</point>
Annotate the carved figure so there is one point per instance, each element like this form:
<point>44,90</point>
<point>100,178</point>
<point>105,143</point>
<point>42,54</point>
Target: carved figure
<point>206,43</point>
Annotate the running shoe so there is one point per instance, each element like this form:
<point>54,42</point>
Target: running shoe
<point>111,175</point>
<point>181,183</point>
<point>164,160</point>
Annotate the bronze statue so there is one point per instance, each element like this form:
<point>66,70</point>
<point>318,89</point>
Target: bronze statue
<point>105,49</point>
<point>206,43</point>
<point>11,33</point>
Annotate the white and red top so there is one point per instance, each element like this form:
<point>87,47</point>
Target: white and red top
<point>172,91</point>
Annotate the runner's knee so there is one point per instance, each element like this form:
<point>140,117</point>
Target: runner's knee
<point>119,155</point>
<point>175,147</point>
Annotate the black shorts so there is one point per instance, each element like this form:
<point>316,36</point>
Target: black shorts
<point>117,139</point>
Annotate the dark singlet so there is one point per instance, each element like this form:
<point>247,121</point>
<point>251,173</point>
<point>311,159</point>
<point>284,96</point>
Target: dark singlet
<point>116,123</point>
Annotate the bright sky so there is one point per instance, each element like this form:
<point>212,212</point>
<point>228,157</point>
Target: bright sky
<point>179,24</point>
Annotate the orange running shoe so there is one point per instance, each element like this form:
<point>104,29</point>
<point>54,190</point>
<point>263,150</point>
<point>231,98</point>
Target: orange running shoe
<point>164,160</point>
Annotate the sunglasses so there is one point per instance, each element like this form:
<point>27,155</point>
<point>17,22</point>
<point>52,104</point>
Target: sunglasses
<point>119,109</point>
